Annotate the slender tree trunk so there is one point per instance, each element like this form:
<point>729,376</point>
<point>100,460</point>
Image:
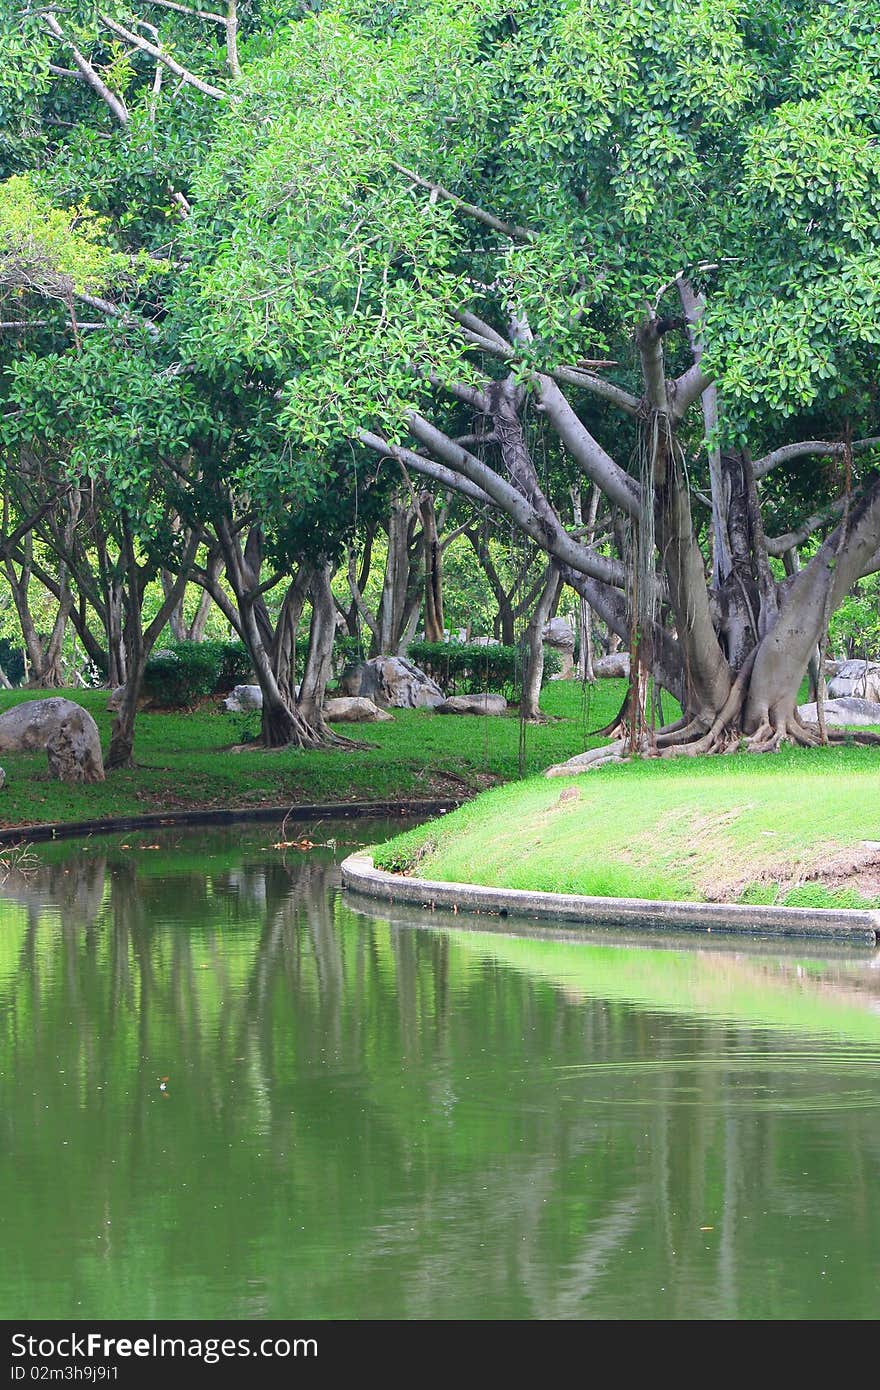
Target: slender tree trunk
<point>400,587</point>
<point>284,721</point>
<point>140,641</point>
<point>198,626</point>
<point>175,618</point>
<point>433,562</point>
<point>585,670</point>
<point>319,659</point>
<point>19,584</point>
<point>530,703</point>
<point>117,667</point>
<point>121,750</point>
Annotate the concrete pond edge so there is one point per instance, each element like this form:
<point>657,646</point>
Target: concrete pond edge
<point>360,876</point>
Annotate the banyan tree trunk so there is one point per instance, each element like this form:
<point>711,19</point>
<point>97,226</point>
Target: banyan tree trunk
<point>530,706</point>
<point>121,750</point>
<point>433,562</point>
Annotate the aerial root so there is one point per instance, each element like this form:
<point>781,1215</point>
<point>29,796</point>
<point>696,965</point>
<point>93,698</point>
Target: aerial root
<point>680,732</point>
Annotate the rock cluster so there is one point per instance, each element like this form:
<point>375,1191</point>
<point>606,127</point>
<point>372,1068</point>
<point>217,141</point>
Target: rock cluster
<point>391,680</point>
<point>615,664</point>
<point>354,709</point>
<point>846,710</point>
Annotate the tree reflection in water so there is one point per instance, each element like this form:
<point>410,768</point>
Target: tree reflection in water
<point>369,1118</point>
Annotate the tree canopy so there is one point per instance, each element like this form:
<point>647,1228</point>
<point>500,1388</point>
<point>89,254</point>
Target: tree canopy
<point>513,249</point>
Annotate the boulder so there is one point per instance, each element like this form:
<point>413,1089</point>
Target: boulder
<point>64,729</point>
<point>858,678</point>
<point>615,664</point>
<point>846,710</point>
<point>391,680</point>
<point>353,709</point>
<point>559,635</point>
<point>558,632</point>
<point>244,698</point>
<point>473,704</point>
<point>114,703</point>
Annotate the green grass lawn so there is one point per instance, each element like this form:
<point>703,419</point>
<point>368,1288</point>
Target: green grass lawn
<point>788,827</point>
<point>184,762</point>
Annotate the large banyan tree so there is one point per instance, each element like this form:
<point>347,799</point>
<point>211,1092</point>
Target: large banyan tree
<point>638,239</point>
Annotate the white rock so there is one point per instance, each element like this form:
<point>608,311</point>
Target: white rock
<point>244,698</point>
<point>844,711</point>
<point>558,633</point>
<point>858,678</point>
<point>473,704</point>
<point>354,709</point>
<point>615,664</point>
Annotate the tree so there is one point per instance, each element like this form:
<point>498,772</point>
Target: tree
<point>642,237</point>
<point>157,445</point>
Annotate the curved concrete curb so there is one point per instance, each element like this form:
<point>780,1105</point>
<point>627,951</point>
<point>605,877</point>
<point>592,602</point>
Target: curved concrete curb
<point>340,810</point>
<point>359,875</point>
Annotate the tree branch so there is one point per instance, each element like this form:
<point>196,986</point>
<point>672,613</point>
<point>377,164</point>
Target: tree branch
<point>833,449</point>
<point>114,103</point>
<point>777,545</point>
<point>427,466</point>
<point>600,467</point>
<point>488,219</point>
<point>171,63</point>
<point>554,540</point>
<point>189,10</point>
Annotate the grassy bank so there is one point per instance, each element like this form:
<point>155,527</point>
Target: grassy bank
<point>800,827</point>
<point>184,762</point>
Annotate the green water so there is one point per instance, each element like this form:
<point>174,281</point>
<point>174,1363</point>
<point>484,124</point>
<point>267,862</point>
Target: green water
<point>369,1119</point>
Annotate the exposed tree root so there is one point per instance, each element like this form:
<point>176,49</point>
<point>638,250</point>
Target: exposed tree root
<point>863,737</point>
<point>679,732</point>
<point>593,758</point>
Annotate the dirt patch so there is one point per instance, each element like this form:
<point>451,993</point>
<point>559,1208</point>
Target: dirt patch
<point>835,867</point>
<point>856,867</point>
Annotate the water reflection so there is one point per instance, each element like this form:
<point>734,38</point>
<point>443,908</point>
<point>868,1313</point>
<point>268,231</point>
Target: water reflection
<point>373,1118</point>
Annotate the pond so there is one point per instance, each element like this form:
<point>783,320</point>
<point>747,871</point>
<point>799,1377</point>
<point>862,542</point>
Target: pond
<point>225,1091</point>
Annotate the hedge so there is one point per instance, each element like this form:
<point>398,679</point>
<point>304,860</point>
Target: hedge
<point>178,676</point>
<point>467,667</point>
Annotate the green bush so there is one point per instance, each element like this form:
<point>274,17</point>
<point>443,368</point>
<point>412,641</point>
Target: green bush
<point>463,668</point>
<point>182,675</point>
<point>177,677</point>
<point>233,665</point>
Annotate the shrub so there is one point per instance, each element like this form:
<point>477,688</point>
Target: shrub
<point>177,677</point>
<point>463,668</point>
<point>233,665</point>
<point>12,661</point>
